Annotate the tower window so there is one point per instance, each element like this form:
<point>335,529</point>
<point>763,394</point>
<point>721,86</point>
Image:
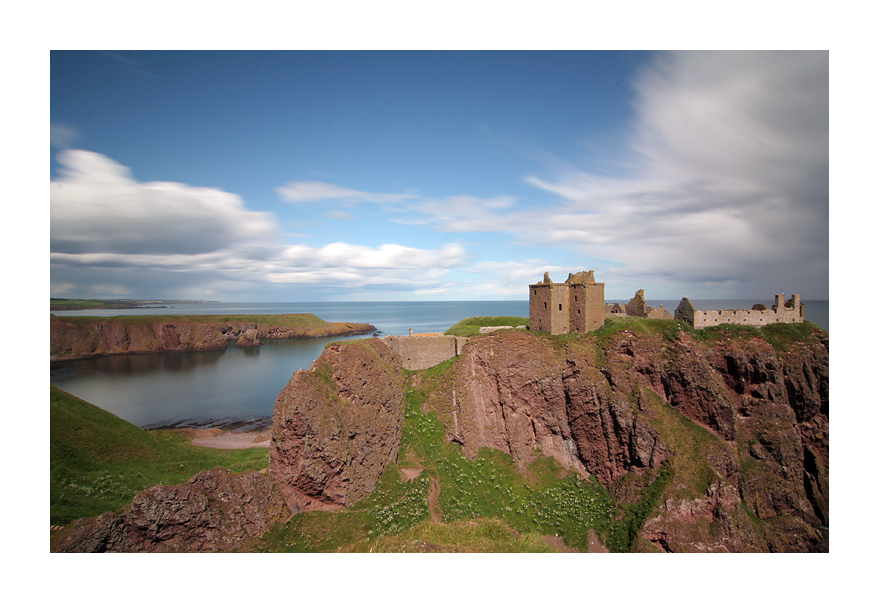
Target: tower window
<point>560,307</point>
<point>544,305</point>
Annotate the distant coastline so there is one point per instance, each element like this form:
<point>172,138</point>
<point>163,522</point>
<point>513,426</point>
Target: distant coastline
<point>62,304</point>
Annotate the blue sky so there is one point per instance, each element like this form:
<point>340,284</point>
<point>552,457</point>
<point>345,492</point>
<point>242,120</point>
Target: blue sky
<point>301,176</point>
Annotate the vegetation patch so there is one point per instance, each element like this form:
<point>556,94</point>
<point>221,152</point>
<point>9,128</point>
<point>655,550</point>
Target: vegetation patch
<point>477,536</point>
<point>98,462</point>
<point>668,329</point>
<point>469,327</point>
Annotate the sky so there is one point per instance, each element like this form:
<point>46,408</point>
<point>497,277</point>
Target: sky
<point>447,175</point>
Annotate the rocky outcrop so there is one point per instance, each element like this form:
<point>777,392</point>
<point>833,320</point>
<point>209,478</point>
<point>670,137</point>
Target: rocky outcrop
<point>742,426</point>
<point>216,510</point>
<point>84,337</point>
<point>337,425</point>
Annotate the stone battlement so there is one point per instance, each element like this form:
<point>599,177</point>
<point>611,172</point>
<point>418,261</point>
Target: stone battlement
<point>781,312</point>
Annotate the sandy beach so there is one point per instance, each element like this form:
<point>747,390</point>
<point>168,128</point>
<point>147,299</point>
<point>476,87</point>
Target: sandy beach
<point>228,440</point>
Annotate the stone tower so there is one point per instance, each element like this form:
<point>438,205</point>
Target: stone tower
<point>575,306</point>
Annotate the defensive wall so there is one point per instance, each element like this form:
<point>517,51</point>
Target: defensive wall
<point>792,311</point>
<point>424,350</point>
<point>577,305</point>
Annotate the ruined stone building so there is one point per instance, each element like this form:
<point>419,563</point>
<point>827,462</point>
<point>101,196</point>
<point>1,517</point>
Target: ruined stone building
<point>575,306</point>
<point>637,307</point>
<point>758,316</point>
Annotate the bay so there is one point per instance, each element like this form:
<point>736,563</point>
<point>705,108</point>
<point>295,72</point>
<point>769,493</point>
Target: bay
<point>238,386</point>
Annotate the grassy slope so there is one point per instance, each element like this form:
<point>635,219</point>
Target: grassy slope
<point>98,462</point>
<point>470,326</point>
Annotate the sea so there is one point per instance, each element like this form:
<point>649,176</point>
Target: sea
<point>236,388</point>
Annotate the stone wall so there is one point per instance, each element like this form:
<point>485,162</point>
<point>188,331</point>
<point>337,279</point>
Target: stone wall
<point>424,351</point>
<point>792,311</point>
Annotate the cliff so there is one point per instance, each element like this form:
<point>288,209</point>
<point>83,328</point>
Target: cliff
<point>83,337</point>
<point>337,425</point>
<point>714,441</point>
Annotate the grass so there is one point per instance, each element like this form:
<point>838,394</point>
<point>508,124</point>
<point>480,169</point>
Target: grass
<point>478,536</point>
<point>470,326</point>
<point>669,329</point>
<point>98,462</point>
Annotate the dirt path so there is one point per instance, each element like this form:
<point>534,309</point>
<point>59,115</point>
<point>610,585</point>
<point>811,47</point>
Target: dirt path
<point>436,513</point>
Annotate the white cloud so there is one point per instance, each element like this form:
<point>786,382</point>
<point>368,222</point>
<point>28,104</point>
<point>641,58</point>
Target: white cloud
<point>311,190</point>
<point>96,206</point>
<point>111,233</point>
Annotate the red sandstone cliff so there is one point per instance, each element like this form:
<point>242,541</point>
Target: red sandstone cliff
<point>742,426</point>
<point>83,337</point>
<point>337,425</point>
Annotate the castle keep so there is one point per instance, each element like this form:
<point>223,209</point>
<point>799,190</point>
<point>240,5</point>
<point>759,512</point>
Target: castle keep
<point>792,311</point>
<point>575,306</point>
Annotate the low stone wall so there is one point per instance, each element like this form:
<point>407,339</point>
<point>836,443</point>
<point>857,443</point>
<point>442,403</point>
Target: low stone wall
<point>424,351</point>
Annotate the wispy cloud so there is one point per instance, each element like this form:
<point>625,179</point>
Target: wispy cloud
<point>306,191</point>
<point>727,191</point>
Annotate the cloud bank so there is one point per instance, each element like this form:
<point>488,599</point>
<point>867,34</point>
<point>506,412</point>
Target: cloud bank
<point>113,235</point>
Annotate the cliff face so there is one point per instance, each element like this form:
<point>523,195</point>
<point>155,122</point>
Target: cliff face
<point>337,425</point>
<point>741,426</point>
<point>216,510</point>
<point>78,337</point>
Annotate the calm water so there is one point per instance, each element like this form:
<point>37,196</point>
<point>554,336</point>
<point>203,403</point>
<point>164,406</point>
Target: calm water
<point>239,385</point>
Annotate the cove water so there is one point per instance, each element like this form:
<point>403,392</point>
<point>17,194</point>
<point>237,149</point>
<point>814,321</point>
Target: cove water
<point>237,387</point>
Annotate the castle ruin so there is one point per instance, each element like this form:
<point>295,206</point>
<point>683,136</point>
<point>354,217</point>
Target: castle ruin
<point>637,307</point>
<point>575,306</point>
<point>792,311</point>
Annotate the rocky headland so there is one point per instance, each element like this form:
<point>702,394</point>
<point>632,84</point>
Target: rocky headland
<point>731,432</point>
<point>84,337</point>
<point>705,441</point>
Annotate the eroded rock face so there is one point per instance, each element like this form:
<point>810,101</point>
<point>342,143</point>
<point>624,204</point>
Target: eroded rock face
<point>337,425</point>
<point>216,510</point>
<point>605,411</point>
<point>516,392</point>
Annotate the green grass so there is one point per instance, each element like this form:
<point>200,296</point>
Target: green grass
<point>470,326</point>
<point>669,329</point>
<point>98,462</point>
<point>477,536</point>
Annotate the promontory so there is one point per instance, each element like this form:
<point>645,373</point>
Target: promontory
<point>90,336</point>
